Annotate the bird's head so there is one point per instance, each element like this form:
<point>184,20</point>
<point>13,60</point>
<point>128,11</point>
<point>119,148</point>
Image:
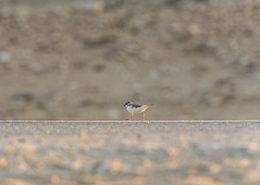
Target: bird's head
<point>126,103</point>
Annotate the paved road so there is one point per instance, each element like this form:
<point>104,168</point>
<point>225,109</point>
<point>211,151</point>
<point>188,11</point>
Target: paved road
<point>124,152</point>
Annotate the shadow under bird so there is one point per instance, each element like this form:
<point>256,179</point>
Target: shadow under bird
<point>134,108</point>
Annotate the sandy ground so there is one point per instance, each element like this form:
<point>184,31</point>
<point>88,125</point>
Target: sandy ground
<point>82,59</point>
<point>124,152</point>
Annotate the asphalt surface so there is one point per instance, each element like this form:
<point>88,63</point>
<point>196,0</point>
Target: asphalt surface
<point>130,152</point>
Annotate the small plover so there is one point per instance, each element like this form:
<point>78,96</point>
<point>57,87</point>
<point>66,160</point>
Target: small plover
<point>134,108</point>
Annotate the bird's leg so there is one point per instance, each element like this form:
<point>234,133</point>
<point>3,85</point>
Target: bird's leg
<point>143,116</point>
<point>132,116</point>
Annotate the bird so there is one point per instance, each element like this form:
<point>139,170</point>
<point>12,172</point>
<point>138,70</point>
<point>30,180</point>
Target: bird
<point>134,108</point>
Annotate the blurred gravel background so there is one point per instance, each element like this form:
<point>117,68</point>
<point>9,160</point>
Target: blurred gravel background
<point>127,153</point>
<point>192,59</point>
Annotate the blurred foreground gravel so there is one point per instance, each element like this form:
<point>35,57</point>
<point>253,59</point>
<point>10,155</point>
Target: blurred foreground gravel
<point>123,152</point>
